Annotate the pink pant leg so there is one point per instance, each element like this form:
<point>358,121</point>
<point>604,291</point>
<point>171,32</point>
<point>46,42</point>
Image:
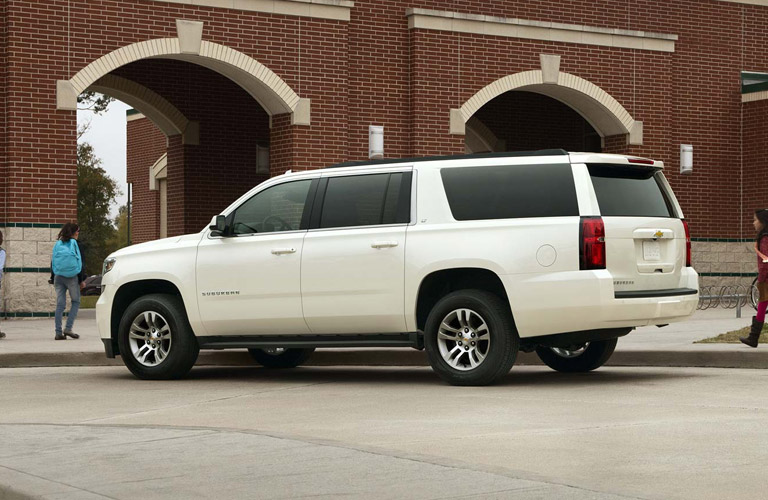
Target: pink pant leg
<point>761,307</point>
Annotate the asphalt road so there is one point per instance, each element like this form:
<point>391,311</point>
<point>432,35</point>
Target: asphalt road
<point>325,432</point>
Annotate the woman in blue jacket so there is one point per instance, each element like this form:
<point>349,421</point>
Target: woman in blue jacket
<point>69,274</point>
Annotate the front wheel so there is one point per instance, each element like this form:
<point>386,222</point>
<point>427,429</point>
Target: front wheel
<point>582,358</point>
<point>470,338</point>
<point>155,339</point>
<point>279,357</point>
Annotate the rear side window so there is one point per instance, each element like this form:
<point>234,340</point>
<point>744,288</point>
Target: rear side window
<point>509,192</point>
<point>366,200</point>
<point>629,192</point>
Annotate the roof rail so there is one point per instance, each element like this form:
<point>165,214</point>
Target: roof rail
<point>362,163</point>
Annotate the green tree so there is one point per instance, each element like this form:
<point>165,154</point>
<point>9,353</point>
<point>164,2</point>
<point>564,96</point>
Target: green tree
<point>119,238</point>
<point>93,101</point>
<point>96,192</point>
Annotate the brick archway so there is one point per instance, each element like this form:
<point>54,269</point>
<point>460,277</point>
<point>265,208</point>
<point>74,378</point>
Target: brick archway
<point>163,114</point>
<point>266,87</point>
<point>604,113</point>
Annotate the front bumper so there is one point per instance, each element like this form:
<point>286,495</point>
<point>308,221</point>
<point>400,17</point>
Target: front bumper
<point>104,320</point>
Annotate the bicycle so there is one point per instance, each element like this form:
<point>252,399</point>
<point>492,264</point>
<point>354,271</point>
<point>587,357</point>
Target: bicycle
<point>754,296</point>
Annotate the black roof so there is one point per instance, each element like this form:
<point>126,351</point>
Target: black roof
<point>541,152</point>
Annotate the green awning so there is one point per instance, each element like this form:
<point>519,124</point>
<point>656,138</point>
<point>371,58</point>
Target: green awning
<point>753,82</point>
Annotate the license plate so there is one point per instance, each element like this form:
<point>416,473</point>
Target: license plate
<point>651,250</point>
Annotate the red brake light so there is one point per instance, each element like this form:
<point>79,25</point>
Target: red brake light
<point>592,243</point>
<point>687,244</point>
<point>642,161</point>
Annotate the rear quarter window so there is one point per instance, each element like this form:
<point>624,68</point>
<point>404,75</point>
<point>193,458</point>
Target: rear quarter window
<point>630,192</point>
<point>510,191</point>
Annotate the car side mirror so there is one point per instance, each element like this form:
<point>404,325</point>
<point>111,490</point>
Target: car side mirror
<point>219,226</point>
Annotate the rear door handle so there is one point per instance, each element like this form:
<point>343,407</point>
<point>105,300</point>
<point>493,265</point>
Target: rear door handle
<point>384,244</point>
<point>281,251</point>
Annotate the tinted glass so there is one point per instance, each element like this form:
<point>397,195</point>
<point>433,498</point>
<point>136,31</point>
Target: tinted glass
<point>362,200</point>
<point>276,209</point>
<point>508,192</point>
<point>629,192</point>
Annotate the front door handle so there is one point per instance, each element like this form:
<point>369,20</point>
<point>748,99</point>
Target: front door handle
<point>281,251</point>
<point>384,244</point>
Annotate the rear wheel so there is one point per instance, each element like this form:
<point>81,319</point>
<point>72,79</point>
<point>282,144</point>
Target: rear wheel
<point>754,294</point>
<point>155,339</point>
<point>470,338</point>
<point>578,358</point>
<point>279,357</point>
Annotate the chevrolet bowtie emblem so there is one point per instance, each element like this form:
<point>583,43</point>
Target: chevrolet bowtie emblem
<point>658,234</point>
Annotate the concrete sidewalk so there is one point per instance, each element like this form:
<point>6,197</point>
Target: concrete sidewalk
<point>30,343</point>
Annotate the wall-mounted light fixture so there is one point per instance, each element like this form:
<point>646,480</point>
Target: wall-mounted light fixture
<point>686,159</point>
<point>375,142</point>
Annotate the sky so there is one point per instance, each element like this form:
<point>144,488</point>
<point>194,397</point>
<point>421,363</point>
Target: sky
<point>107,136</point>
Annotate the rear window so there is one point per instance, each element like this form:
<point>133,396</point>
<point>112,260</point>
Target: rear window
<point>630,192</point>
<point>511,191</point>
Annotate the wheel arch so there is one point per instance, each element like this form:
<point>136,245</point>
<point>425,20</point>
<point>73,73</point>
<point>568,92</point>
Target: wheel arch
<point>128,292</point>
<point>441,282</point>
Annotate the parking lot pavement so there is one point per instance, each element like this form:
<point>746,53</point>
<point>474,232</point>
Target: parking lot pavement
<point>247,432</point>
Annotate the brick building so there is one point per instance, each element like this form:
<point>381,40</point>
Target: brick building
<point>229,92</point>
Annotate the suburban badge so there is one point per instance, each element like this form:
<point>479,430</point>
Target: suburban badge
<point>221,292</point>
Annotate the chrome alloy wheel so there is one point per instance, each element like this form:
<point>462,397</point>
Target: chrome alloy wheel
<point>570,353</point>
<point>463,339</point>
<point>150,338</point>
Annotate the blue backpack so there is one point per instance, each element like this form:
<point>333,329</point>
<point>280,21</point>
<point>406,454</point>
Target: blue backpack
<point>66,259</point>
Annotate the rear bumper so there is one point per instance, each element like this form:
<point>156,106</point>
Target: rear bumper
<point>645,294</point>
<point>586,300</point>
<point>650,311</point>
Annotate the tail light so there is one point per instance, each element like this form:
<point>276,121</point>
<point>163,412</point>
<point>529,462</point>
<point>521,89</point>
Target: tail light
<point>592,243</point>
<point>687,244</point>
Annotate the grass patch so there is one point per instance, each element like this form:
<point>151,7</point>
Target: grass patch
<point>88,301</point>
<point>732,337</point>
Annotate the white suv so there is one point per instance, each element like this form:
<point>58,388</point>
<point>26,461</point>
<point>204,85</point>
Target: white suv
<point>471,257</point>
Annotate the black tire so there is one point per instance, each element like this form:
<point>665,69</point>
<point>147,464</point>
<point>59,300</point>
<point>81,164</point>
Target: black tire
<point>287,358</point>
<point>499,353</point>
<point>754,294</point>
<point>594,355</point>
<point>180,346</point>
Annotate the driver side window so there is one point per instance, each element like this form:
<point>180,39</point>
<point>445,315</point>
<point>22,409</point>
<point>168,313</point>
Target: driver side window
<point>276,209</point>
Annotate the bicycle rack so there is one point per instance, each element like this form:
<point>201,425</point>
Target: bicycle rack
<point>726,296</point>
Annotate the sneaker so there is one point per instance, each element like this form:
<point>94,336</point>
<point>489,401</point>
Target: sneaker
<point>70,333</point>
<point>60,337</point>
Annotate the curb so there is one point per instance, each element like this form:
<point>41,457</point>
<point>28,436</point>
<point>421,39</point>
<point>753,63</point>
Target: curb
<point>407,357</point>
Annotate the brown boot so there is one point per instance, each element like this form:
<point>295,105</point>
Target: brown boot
<point>754,333</point>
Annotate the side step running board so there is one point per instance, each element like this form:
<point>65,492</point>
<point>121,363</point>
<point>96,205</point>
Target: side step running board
<point>412,339</point>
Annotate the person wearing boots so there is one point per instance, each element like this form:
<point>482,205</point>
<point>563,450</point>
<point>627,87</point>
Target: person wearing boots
<point>761,248</point>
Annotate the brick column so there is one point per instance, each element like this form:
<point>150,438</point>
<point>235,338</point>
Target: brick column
<point>38,154</point>
<point>176,187</point>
